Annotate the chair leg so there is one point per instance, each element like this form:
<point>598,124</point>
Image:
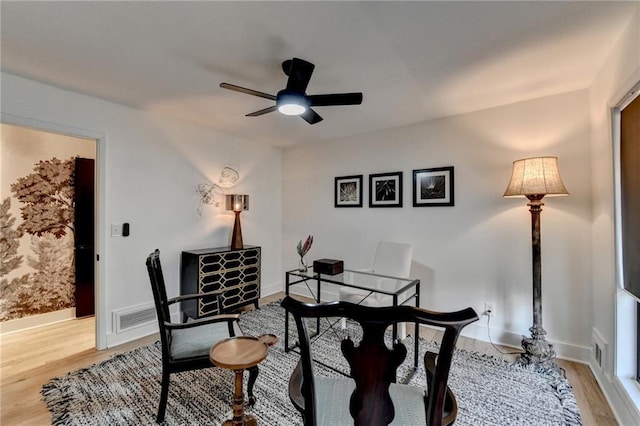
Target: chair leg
<point>402,331</point>
<point>253,375</point>
<point>164,394</point>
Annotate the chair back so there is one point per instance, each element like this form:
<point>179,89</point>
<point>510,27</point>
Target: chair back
<point>393,259</point>
<point>372,364</point>
<point>159,295</point>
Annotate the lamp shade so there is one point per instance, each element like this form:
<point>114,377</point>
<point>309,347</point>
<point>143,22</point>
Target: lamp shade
<point>237,202</point>
<point>535,176</point>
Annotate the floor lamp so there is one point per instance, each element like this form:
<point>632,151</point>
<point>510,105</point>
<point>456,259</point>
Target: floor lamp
<point>236,203</point>
<point>534,178</point>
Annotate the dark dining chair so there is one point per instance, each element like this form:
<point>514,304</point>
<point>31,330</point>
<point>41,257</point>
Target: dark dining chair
<point>371,396</point>
<point>186,345</point>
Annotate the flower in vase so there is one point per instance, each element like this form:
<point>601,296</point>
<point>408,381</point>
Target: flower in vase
<point>304,248</point>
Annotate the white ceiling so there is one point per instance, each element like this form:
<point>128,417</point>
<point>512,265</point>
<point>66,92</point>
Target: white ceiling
<point>413,61</point>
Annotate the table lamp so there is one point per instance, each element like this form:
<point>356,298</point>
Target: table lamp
<point>534,178</point>
<point>236,203</point>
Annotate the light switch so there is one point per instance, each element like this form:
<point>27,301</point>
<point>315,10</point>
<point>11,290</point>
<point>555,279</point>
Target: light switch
<point>116,230</point>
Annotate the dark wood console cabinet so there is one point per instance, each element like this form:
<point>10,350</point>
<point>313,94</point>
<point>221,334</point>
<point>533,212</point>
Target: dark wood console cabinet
<point>236,272</point>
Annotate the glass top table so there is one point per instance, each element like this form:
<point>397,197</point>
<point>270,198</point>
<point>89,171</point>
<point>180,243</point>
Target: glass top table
<point>400,291</point>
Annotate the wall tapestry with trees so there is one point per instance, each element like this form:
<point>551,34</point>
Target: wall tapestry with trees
<point>46,208</point>
<point>36,223</point>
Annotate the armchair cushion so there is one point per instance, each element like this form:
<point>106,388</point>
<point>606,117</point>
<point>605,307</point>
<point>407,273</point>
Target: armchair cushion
<point>332,402</point>
<point>197,341</point>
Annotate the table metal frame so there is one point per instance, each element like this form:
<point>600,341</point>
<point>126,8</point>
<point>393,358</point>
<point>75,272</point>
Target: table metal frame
<point>294,277</point>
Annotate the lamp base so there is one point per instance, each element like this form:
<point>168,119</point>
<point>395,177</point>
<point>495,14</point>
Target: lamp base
<point>537,350</point>
<point>236,236</point>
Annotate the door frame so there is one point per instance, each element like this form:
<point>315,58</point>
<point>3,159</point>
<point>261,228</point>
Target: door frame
<point>100,207</point>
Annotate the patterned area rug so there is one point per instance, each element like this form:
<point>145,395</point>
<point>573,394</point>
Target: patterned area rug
<point>125,389</point>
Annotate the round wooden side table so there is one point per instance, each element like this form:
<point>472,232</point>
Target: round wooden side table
<point>237,354</point>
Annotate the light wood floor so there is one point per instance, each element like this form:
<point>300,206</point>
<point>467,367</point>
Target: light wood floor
<point>29,359</point>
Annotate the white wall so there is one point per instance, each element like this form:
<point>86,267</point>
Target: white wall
<point>620,72</point>
<point>479,250</point>
<point>151,166</point>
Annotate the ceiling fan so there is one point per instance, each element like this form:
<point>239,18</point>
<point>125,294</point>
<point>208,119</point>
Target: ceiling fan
<point>293,100</point>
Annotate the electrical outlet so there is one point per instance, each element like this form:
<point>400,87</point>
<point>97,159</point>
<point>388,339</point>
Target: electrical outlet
<point>489,308</point>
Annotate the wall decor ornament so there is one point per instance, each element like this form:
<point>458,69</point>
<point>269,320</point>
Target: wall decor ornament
<point>385,190</point>
<point>211,193</point>
<point>348,191</point>
<point>433,187</point>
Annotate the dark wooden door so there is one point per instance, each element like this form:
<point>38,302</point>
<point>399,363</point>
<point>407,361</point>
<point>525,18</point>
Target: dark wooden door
<point>84,236</point>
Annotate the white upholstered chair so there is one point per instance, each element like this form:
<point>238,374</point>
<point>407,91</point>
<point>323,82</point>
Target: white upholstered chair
<point>392,259</point>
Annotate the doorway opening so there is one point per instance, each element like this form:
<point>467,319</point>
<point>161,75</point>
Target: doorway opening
<point>48,195</point>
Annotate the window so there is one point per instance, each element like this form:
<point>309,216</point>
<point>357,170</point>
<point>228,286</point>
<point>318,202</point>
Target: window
<point>627,127</point>
<point>630,195</point>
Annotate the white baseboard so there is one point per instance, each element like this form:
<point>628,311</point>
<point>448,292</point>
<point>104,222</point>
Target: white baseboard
<point>626,410</point>
<point>116,339</point>
<point>478,331</point>
<point>39,320</point>
<point>568,351</point>
<point>618,395</point>
<point>269,289</point>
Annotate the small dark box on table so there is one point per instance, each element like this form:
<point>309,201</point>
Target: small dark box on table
<point>328,266</point>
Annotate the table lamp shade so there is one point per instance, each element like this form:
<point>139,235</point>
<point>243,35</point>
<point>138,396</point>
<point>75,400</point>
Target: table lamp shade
<point>237,202</point>
<point>535,176</point>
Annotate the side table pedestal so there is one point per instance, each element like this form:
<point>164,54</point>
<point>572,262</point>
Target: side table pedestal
<point>238,354</point>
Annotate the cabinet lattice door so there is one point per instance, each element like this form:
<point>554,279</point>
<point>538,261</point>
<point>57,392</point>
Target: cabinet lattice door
<point>236,272</point>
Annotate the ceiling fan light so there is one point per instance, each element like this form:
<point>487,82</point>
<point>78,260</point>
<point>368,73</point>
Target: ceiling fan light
<point>292,103</point>
<point>291,109</point>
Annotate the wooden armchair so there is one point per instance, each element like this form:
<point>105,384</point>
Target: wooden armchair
<point>186,346</point>
<point>371,396</point>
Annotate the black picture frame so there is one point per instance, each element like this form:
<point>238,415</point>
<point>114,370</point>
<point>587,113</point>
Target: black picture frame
<point>433,187</point>
<point>348,191</point>
<point>385,189</point>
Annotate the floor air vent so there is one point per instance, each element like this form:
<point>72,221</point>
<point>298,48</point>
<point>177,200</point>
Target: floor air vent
<point>599,349</point>
<point>126,319</point>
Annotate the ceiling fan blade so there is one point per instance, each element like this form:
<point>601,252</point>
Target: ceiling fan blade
<point>299,74</point>
<point>261,112</point>
<point>335,99</point>
<point>247,91</point>
<point>310,116</point>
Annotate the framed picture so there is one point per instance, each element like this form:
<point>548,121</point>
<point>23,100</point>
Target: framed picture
<point>385,190</point>
<point>433,187</point>
<point>348,191</point>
